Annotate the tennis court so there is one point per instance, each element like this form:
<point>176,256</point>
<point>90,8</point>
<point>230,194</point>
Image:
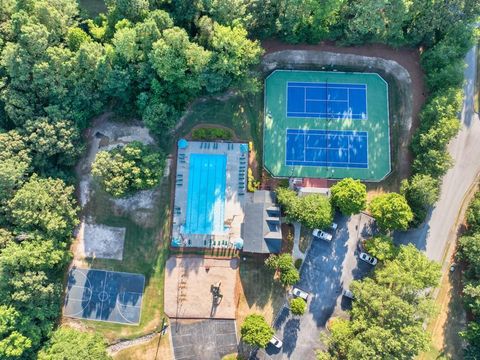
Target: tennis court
<point>206,194</point>
<point>327,100</point>
<point>327,148</point>
<point>104,296</point>
<point>327,125</point>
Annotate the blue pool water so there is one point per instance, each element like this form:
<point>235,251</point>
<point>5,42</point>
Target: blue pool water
<point>206,194</point>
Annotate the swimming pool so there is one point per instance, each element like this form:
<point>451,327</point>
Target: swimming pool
<point>206,194</point>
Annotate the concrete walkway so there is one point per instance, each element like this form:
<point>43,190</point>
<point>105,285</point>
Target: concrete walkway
<point>297,254</point>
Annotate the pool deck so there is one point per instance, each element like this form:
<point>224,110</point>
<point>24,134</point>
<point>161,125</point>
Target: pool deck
<point>234,201</point>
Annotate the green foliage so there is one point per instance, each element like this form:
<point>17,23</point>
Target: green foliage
<point>283,264</point>
<point>421,192</point>
<point>298,263</point>
<point>349,196</point>
<point>469,252</point>
<point>391,212</point>
<point>255,331</point>
<point>67,343</point>
<point>381,247</point>
<point>298,306</point>
<point>252,183</point>
<point>127,169</point>
<point>207,133</point>
<point>313,211</point>
<point>12,343</point>
<point>76,37</point>
<point>388,313</point>
<point>473,214</point>
<point>45,205</point>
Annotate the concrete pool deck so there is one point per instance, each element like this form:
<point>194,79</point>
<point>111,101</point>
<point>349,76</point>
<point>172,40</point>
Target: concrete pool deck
<point>234,200</point>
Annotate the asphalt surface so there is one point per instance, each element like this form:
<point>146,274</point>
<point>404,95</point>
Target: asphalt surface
<point>328,268</point>
<point>203,339</point>
<point>436,232</point>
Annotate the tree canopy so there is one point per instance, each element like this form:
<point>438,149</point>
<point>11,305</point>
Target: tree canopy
<point>349,196</point>
<point>255,331</point>
<point>391,211</point>
<point>313,211</point>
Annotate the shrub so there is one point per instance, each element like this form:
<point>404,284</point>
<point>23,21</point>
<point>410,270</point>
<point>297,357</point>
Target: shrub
<point>473,214</point>
<point>298,263</point>
<point>208,133</point>
<point>128,169</point>
<point>255,331</point>
<point>252,183</point>
<point>298,306</point>
<point>421,192</point>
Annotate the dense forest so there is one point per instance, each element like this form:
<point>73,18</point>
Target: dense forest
<point>148,59</point>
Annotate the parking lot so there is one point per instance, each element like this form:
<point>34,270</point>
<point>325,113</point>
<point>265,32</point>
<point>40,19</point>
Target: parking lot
<point>328,268</point>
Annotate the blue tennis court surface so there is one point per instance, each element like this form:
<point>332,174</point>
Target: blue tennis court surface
<point>104,295</point>
<point>334,148</point>
<point>206,194</point>
<point>327,100</point>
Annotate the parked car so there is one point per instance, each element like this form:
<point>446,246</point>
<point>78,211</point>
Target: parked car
<point>347,293</point>
<point>322,235</point>
<point>334,227</point>
<point>300,293</point>
<point>276,342</point>
<point>368,259</point>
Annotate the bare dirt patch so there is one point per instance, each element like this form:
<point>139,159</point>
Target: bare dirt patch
<point>101,241</point>
<point>188,287</point>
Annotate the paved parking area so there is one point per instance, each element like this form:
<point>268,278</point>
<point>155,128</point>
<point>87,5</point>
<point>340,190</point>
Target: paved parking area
<point>328,268</point>
<point>204,339</point>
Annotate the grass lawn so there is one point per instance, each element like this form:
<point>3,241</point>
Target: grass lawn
<point>258,292</point>
<point>93,7</point>
<point>148,350</point>
<point>241,113</point>
<point>145,252</point>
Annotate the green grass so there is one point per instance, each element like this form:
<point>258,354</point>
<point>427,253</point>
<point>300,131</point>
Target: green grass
<point>93,7</point>
<point>241,113</point>
<point>377,126</point>
<point>145,252</point>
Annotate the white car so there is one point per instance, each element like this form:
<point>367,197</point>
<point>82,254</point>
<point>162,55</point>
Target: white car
<point>347,293</point>
<point>322,235</point>
<point>368,259</point>
<point>334,227</point>
<point>276,342</point>
<point>300,293</point>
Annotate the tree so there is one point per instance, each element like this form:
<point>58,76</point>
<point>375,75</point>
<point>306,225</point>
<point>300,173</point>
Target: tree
<point>349,196</point>
<point>12,343</point>
<point>11,178</point>
<point>45,205</point>
<point>469,251</point>
<point>421,192</point>
<point>313,211</point>
<point>391,212</point>
<point>76,37</point>
<point>68,343</point>
<point>433,162</point>
<point>131,168</point>
<point>255,331</point>
<point>410,272</point>
<point>283,264</point>
<point>381,247</point>
<point>473,214</point>
<point>53,142</point>
<point>298,306</point>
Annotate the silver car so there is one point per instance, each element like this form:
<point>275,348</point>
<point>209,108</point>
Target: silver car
<point>368,259</point>
<point>300,293</point>
<point>322,235</point>
<point>276,342</point>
